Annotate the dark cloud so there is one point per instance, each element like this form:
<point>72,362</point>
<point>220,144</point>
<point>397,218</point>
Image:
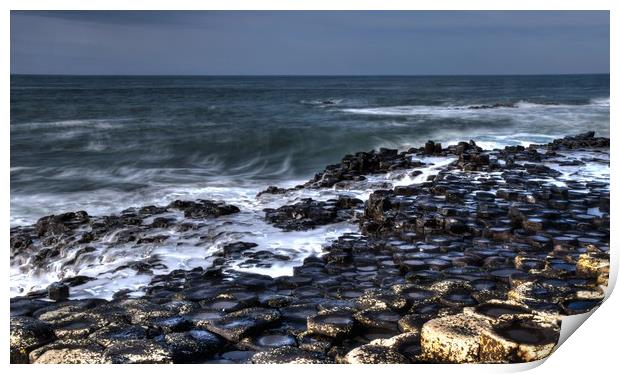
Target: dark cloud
<point>303,42</point>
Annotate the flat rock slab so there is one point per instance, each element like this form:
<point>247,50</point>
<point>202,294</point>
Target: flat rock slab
<point>236,325</point>
<point>288,355</point>
<point>137,352</point>
<point>453,339</point>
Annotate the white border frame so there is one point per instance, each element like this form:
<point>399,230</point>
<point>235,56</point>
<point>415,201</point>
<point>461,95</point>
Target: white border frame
<point>593,347</point>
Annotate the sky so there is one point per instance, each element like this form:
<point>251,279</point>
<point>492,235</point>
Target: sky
<point>309,43</point>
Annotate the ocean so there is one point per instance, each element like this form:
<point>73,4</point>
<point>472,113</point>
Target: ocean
<point>106,143</point>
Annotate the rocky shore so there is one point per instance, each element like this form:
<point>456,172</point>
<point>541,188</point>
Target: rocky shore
<point>476,264</point>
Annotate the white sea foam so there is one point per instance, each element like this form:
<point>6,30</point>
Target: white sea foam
<point>471,110</point>
<point>187,250</point>
<point>99,124</point>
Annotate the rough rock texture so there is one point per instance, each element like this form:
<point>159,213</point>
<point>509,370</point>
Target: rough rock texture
<point>309,213</point>
<point>137,352</point>
<point>475,263</point>
<point>288,355</point>
<point>453,339</point>
<point>26,335</point>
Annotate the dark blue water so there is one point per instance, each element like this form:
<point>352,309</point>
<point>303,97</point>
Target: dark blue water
<point>106,143</point>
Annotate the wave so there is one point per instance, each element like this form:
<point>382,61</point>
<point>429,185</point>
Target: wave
<point>100,124</point>
<point>474,109</point>
<point>602,101</point>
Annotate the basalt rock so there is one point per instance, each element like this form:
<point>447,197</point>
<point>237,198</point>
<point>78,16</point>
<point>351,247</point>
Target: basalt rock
<point>28,334</point>
<point>137,352</point>
<point>335,324</point>
<point>521,339</point>
<point>475,263</point>
<point>203,208</point>
<point>399,349</point>
<point>58,291</point>
<point>192,345</point>
<point>236,325</point>
<point>68,352</point>
<point>453,339</point>
<point>309,213</point>
<point>288,355</point>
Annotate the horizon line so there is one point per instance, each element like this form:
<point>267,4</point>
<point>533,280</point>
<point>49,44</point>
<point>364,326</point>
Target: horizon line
<point>303,75</point>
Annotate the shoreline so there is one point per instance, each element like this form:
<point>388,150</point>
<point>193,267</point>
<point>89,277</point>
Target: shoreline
<point>485,255</point>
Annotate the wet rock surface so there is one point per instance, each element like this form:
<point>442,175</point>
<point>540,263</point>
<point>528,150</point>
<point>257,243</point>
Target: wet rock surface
<point>476,263</point>
<point>309,213</point>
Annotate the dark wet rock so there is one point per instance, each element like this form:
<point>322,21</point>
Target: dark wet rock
<point>61,223</point>
<point>203,208</point>
<point>237,247</point>
<point>109,335</point>
<point>137,352</point>
<point>288,355</point>
<point>152,210</point>
<point>477,262</point>
<point>19,242</point>
<point>432,148</point>
<point>493,106</point>
<point>584,140</point>
<point>495,309</point>
<point>162,222</point>
<point>76,280</point>
<point>171,324</point>
<point>378,318</point>
<point>27,334</point>
<point>26,306</point>
<point>272,190</point>
<point>182,307</point>
<point>192,345</point>
<point>58,291</point>
<point>299,312</point>
<point>381,299</point>
<point>236,325</point>
<point>335,324</point>
<point>143,311</point>
<point>315,342</point>
<point>268,341</point>
<point>309,213</point>
<point>355,167</point>
<point>579,306</point>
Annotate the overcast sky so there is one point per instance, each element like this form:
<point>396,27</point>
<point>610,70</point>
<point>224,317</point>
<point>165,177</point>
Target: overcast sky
<point>300,42</point>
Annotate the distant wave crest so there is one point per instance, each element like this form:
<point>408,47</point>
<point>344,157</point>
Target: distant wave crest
<point>476,109</point>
